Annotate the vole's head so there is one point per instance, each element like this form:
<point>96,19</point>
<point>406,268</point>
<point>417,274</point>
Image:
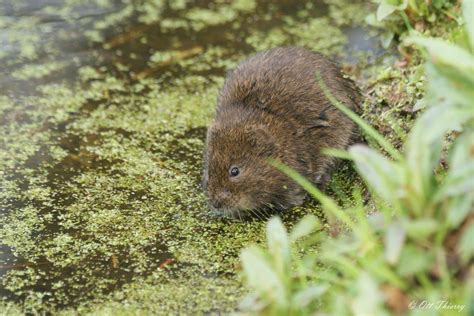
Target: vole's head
<point>238,178</point>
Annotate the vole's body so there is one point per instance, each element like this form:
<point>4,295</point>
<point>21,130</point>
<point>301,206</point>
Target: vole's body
<point>271,106</point>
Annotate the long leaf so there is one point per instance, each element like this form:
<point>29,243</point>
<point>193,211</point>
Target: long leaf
<point>423,148</point>
<point>460,177</point>
<point>261,276</point>
<point>278,245</point>
<point>328,204</point>
<point>468,13</point>
<point>446,53</point>
<point>383,176</point>
<point>304,227</point>
<point>368,129</point>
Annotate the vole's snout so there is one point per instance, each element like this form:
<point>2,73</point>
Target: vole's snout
<point>220,199</point>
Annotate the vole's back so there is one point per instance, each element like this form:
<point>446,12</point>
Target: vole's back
<point>283,80</point>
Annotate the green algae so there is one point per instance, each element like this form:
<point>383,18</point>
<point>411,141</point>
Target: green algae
<point>102,210</point>
<point>300,33</point>
<point>38,71</point>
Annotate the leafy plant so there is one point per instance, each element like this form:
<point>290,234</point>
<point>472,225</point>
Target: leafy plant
<point>399,16</point>
<point>412,10</point>
<point>412,243</point>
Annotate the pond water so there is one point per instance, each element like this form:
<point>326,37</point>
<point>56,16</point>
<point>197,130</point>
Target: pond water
<point>103,107</point>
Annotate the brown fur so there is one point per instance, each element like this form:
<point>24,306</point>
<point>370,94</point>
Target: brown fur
<point>272,107</point>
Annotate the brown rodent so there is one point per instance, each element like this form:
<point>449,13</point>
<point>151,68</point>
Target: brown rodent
<point>271,106</point>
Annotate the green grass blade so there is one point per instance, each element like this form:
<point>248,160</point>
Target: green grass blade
<point>369,130</point>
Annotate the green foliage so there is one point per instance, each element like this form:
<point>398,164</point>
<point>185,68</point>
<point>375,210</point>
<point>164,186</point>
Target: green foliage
<point>411,9</point>
<point>398,16</point>
<point>412,242</point>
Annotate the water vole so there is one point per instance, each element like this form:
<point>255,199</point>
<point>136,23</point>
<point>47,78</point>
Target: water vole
<point>271,106</point>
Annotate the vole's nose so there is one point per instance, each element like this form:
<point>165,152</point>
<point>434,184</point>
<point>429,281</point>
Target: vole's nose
<point>223,194</point>
<point>220,197</point>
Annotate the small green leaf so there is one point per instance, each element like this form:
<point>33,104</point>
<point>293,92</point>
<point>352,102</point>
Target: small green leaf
<point>466,244</point>
<point>383,176</point>
<point>252,303</point>
<point>308,294</point>
<point>421,228</point>
<point>369,299</point>
<point>394,240</point>
<point>460,181</point>
<point>414,260</point>
<point>460,177</point>
<point>278,244</point>
<point>387,39</point>
<point>462,151</point>
<point>261,276</point>
<point>306,226</point>
<point>384,10</point>
<point>419,105</point>
<point>460,207</point>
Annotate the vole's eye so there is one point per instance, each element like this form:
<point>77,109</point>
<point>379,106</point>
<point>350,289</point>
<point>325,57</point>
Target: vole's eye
<point>234,171</point>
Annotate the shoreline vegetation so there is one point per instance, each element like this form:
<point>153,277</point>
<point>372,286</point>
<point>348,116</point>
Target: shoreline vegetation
<point>410,250</point>
<point>104,107</point>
